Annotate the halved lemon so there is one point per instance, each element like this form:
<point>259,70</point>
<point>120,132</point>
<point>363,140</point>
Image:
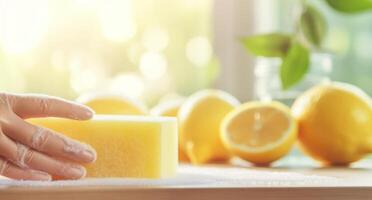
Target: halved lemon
<point>259,132</point>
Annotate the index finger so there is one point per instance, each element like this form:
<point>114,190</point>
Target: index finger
<point>48,141</point>
<point>31,105</point>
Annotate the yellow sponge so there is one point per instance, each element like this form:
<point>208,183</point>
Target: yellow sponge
<point>127,146</point>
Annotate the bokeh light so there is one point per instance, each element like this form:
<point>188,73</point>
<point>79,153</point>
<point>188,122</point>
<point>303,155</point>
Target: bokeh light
<point>86,73</point>
<point>128,84</point>
<point>338,40</point>
<point>155,39</point>
<point>23,24</point>
<point>135,48</point>
<point>199,51</point>
<point>117,20</point>
<point>153,65</point>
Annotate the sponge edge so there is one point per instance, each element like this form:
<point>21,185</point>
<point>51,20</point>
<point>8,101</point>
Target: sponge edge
<point>127,146</point>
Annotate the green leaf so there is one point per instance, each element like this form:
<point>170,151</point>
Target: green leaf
<point>294,65</point>
<point>350,6</point>
<point>313,25</point>
<point>268,45</point>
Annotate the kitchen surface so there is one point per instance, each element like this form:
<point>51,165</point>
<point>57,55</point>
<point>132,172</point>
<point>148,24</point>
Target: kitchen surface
<point>210,182</point>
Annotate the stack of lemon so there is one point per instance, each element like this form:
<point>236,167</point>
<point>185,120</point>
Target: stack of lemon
<point>332,122</point>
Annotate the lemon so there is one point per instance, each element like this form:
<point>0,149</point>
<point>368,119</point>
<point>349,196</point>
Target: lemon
<point>259,132</point>
<point>335,123</point>
<point>167,108</point>
<point>170,108</point>
<point>112,104</point>
<point>199,121</point>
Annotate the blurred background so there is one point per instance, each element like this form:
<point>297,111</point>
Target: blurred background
<point>143,49</point>
<point>147,49</point>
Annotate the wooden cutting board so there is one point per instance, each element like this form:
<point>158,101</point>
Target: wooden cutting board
<point>239,181</point>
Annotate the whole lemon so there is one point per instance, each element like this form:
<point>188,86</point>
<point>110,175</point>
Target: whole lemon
<point>113,104</point>
<point>200,118</point>
<point>170,108</point>
<point>167,108</point>
<point>335,123</point>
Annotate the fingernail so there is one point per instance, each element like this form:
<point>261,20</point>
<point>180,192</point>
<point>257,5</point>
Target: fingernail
<point>89,113</point>
<point>75,172</point>
<point>42,176</point>
<point>89,155</point>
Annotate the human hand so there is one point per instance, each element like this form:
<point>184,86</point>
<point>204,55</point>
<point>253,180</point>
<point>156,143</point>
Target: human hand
<point>29,152</point>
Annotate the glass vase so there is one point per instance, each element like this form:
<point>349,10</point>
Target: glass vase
<point>267,85</point>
